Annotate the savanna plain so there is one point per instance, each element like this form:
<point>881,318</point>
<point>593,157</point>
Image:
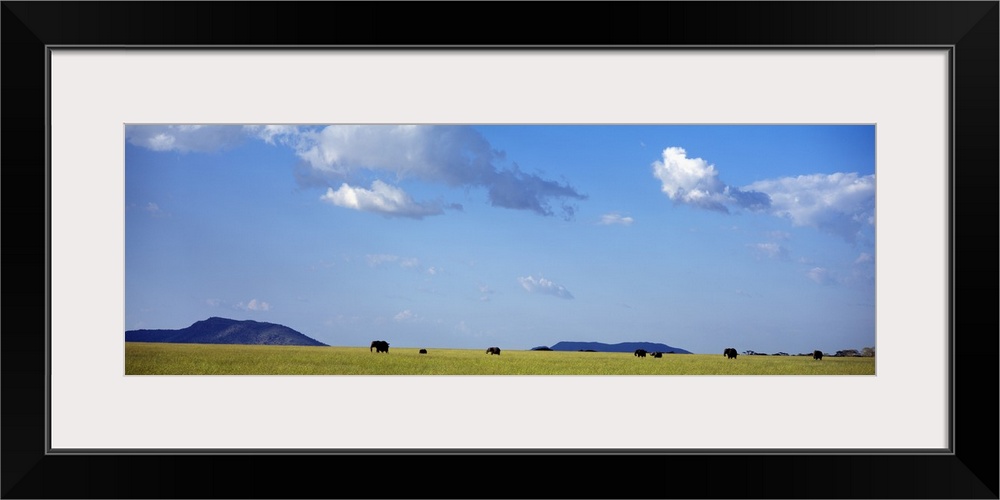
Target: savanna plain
<point>156,358</point>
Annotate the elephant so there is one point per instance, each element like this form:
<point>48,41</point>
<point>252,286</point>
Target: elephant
<point>730,353</point>
<point>379,346</point>
<point>493,350</point>
<point>818,355</point>
<point>641,353</point>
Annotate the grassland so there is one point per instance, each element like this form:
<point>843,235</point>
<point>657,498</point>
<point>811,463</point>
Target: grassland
<point>226,359</point>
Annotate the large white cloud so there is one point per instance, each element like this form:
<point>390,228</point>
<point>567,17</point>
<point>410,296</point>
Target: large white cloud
<point>455,156</point>
<point>694,181</point>
<point>690,180</point>
<point>542,285</point>
<point>381,198</point>
<point>840,203</point>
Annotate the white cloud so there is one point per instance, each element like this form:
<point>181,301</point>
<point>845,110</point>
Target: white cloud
<point>842,203</point>
<point>455,156</point>
<point>381,198</point>
<point>152,209</point>
<point>542,285</point>
<point>258,306</point>
<point>253,305</point>
<point>274,134</point>
<point>770,250</point>
<point>614,218</point>
<point>690,180</point>
<point>184,138</point>
<point>693,181</point>
<point>404,316</point>
<point>863,271</point>
<point>820,275</point>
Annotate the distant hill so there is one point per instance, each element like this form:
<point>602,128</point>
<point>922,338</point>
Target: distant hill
<point>225,331</point>
<point>622,347</point>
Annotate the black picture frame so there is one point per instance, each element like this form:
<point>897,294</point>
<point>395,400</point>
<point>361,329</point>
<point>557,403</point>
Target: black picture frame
<point>969,28</point>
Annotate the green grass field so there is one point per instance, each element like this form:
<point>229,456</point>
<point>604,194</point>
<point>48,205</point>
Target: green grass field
<point>226,359</point>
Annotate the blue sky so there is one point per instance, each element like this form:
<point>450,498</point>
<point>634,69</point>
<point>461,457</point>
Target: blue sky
<point>700,237</point>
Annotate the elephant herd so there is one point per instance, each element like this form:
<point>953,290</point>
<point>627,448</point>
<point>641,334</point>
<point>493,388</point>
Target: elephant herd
<point>380,346</point>
<point>641,353</point>
<point>730,353</point>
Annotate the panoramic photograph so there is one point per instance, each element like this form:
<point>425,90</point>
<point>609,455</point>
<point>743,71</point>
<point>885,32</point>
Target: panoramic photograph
<point>499,249</point>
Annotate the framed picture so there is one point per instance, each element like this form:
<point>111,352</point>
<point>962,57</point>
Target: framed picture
<point>421,234</point>
<point>925,91</point>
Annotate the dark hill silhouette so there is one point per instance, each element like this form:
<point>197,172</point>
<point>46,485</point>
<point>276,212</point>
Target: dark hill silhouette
<point>225,331</point>
<point>622,347</point>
